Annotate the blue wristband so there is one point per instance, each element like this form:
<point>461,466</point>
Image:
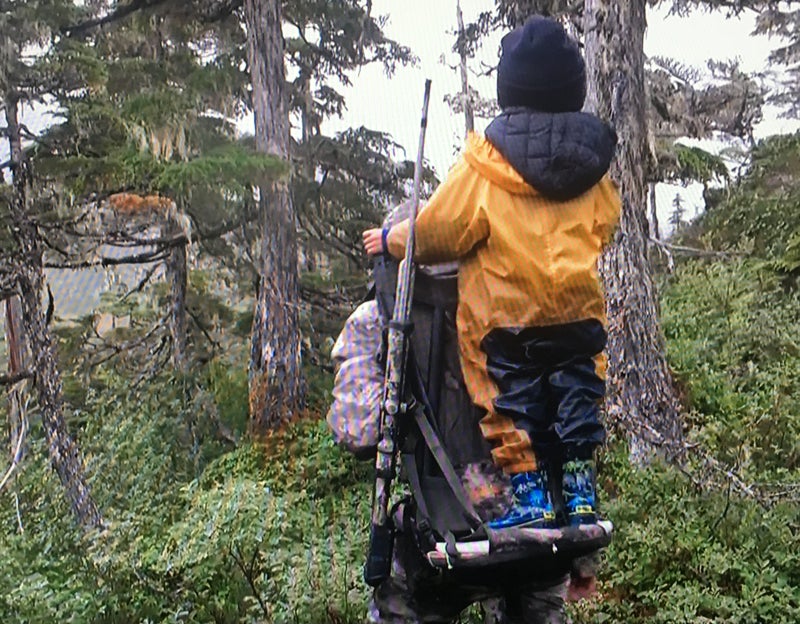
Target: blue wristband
<point>384,242</point>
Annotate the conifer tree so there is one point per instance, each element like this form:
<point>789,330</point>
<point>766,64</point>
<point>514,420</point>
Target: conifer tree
<point>276,379</point>
<point>723,103</point>
<point>160,126</point>
<point>783,20</point>
<point>29,76</point>
<point>678,210</point>
<point>326,41</point>
<point>466,95</point>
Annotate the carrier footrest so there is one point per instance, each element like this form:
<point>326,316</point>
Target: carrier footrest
<point>522,543</point>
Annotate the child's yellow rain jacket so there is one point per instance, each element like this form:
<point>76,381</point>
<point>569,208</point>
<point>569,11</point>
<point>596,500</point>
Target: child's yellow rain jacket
<point>527,237</point>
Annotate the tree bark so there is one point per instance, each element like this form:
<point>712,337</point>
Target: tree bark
<point>177,277</point>
<point>655,228</point>
<point>18,361</point>
<point>642,402</point>
<point>64,453</point>
<point>276,380</point>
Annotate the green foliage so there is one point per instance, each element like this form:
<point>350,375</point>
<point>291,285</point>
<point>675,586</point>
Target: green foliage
<point>276,532</point>
<point>695,164</point>
<point>271,532</point>
<point>732,341</point>
<point>789,263</point>
<point>344,185</point>
<point>228,385</point>
<point>201,528</point>
<point>684,556</point>
<point>233,170</point>
<point>763,209</point>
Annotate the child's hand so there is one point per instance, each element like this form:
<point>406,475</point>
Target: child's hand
<point>373,241</point>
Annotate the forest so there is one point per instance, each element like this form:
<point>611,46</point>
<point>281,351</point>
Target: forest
<point>171,288</point>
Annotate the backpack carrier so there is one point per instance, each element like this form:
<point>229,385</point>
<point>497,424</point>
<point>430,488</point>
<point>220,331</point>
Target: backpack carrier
<point>440,439</point>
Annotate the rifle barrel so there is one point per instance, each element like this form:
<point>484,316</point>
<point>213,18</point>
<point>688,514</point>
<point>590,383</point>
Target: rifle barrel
<point>378,565</point>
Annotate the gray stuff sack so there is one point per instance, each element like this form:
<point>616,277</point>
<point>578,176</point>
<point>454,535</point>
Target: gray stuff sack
<point>354,415</point>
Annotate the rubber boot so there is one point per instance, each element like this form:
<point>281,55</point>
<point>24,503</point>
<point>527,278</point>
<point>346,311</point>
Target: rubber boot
<point>532,506</point>
<point>578,487</point>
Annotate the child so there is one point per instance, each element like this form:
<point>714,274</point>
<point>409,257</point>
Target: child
<point>526,211</point>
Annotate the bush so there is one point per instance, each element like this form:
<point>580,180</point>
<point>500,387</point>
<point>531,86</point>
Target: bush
<point>274,532</point>
<point>731,338</point>
<point>680,555</point>
<point>201,531</point>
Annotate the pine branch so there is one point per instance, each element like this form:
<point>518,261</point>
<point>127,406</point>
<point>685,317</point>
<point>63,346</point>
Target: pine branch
<point>115,16</point>
<point>219,10</point>
<point>205,12</point>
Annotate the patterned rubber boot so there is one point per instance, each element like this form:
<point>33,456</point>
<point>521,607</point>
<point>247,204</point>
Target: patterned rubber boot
<point>580,498</point>
<point>532,507</point>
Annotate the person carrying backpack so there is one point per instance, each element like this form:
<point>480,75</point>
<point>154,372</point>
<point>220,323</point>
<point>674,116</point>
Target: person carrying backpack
<point>526,212</point>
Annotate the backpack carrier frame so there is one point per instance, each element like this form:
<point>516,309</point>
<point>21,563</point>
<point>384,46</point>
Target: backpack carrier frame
<point>441,431</point>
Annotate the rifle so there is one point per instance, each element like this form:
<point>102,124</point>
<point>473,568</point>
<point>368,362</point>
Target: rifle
<point>394,405</point>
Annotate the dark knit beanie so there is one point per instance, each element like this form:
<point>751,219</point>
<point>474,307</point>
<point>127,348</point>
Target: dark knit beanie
<point>541,68</point>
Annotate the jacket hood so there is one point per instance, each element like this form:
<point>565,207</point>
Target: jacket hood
<point>560,155</point>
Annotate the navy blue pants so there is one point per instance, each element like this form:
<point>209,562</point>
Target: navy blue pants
<point>548,385</point>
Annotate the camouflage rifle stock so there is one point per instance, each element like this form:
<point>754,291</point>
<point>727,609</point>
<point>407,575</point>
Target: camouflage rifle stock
<point>394,405</point>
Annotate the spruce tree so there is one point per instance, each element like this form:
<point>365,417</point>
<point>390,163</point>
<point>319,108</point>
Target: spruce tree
<point>148,160</point>
<point>276,379</point>
<point>327,41</point>
<point>678,210</point>
<point>37,64</point>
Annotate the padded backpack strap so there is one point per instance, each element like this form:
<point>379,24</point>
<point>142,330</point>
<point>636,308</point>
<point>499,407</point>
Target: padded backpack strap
<point>449,473</point>
<point>384,270</point>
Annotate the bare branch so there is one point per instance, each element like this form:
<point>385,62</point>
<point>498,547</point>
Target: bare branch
<point>202,328</point>
<point>141,284</point>
<point>691,251</point>
<point>114,349</point>
<point>10,380</point>
<point>16,458</point>
<point>146,257</point>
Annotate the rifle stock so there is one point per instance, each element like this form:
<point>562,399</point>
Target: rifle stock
<point>394,406</point>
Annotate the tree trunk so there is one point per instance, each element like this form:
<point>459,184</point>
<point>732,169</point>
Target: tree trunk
<point>18,362</point>
<point>655,228</point>
<point>276,381</point>
<point>64,453</point>
<point>177,277</point>
<point>469,115</point>
<point>642,401</point>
